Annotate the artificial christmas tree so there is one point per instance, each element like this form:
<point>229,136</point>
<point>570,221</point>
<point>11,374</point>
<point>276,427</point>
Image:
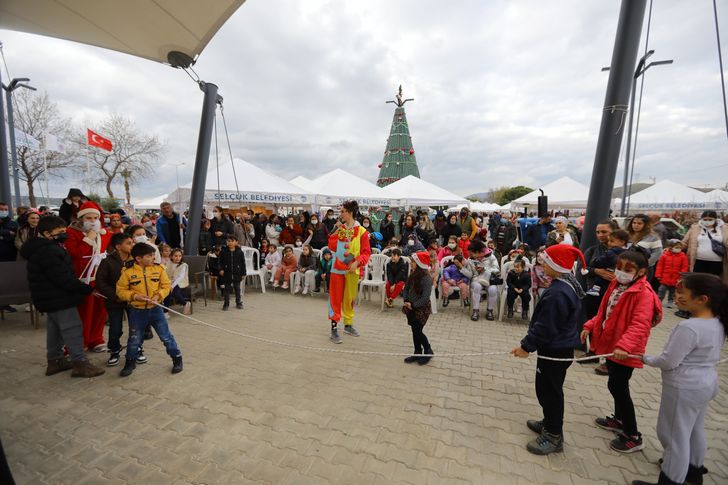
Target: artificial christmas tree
<point>399,157</point>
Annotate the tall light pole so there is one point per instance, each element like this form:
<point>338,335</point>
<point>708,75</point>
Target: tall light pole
<point>12,86</point>
<point>176,172</point>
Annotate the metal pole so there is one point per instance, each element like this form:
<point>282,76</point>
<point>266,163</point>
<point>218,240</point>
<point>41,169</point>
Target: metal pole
<point>13,150</point>
<point>623,209</point>
<point>4,169</point>
<point>199,176</point>
<point>621,71</point>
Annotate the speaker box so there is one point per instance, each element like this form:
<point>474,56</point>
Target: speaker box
<point>543,205</point>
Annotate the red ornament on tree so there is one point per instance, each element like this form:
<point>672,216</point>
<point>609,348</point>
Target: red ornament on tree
<point>379,166</point>
<point>412,151</point>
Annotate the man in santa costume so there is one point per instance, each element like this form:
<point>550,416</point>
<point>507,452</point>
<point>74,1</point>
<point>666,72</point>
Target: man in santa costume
<point>86,244</point>
<point>349,242</point>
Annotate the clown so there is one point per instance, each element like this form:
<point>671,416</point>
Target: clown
<point>350,244</point>
<point>86,244</point>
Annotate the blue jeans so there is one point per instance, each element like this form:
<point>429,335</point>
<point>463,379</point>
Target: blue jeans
<point>177,294</point>
<point>139,320</point>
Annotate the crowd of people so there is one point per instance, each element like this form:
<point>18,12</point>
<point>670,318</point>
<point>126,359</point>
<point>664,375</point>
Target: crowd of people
<point>87,268</point>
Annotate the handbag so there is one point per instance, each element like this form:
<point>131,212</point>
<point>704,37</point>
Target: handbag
<point>716,246</point>
<point>495,279</point>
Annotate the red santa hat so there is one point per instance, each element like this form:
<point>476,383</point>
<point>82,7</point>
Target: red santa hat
<point>561,257</point>
<point>89,207</point>
<point>422,258</point>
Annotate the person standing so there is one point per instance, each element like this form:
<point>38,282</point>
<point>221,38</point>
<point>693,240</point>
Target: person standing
<point>707,243</point>
<point>563,234</point>
<point>220,227</point>
<point>350,244</point>
<point>28,230</point>
<point>8,232</point>
<point>171,227</point>
<point>504,234</point>
<point>417,306</point>
<point>386,229</point>
<point>537,234</point>
<point>642,235</point>
<point>71,205</point>
<point>591,274</point>
<point>232,271</point>
<point>467,223</point>
<point>290,232</point>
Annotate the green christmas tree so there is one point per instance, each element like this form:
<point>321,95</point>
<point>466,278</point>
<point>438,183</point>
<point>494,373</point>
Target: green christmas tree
<point>399,157</point>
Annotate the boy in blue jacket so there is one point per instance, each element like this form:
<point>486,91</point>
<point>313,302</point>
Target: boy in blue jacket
<point>553,332</point>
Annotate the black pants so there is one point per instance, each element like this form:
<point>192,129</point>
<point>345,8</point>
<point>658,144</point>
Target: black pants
<point>550,377</point>
<point>512,295</point>
<point>710,267</point>
<point>229,288</point>
<point>618,384</point>
<point>591,306</point>
<point>418,336</point>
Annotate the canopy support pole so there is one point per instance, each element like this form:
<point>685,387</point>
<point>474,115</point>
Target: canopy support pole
<point>4,168</point>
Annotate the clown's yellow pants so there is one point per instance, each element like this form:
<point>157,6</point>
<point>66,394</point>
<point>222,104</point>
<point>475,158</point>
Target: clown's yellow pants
<point>342,295</point>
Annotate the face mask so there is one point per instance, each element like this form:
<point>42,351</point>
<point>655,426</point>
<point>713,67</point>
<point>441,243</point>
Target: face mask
<point>331,218</point>
<point>623,278</point>
<point>676,250</point>
<point>147,224</point>
<point>366,224</point>
<point>215,214</point>
<point>299,243</point>
<point>91,226</point>
<point>452,245</point>
<point>411,242</point>
<point>314,221</point>
<point>141,239</point>
<point>704,223</point>
<point>106,220</point>
<point>463,214</point>
<point>279,228</point>
<point>4,214</point>
<point>60,238</point>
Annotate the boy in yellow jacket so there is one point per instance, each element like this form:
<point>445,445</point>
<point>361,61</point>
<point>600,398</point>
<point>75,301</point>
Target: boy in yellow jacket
<point>143,285</point>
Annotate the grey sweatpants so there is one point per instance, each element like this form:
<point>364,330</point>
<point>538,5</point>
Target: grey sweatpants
<point>476,289</point>
<point>681,429</point>
<point>65,328</point>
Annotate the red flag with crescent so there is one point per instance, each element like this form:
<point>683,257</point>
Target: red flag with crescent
<point>96,140</point>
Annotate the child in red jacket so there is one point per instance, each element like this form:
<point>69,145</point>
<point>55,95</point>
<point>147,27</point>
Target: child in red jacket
<point>464,244</point>
<point>629,309</point>
<point>672,262</point>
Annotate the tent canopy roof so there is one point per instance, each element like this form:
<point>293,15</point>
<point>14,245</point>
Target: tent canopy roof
<point>415,191</point>
<point>339,185</point>
<point>152,203</point>
<point>667,191</point>
<point>562,192</point>
<point>147,29</point>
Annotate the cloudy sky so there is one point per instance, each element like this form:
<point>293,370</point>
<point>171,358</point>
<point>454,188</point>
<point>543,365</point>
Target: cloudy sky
<point>506,93</point>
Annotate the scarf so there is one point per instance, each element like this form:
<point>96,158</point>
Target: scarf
<point>570,280</point>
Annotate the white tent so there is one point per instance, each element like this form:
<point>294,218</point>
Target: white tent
<point>303,182</point>
<point>667,195</point>
<point>416,192</point>
<point>337,186</point>
<point>716,199</point>
<point>564,193</point>
<point>485,207</point>
<point>152,203</point>
<point>243,183</point>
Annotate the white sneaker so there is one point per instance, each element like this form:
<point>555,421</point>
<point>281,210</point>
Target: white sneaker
<point>305,290</point>
<point>296,290</point>
<point>276,284</point>
<point>285,285</point>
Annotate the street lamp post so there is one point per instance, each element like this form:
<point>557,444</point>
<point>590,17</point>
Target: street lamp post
<point>12,86</point>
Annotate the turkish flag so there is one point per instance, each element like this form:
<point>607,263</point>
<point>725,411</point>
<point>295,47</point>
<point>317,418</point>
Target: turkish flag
<point>96,140</point>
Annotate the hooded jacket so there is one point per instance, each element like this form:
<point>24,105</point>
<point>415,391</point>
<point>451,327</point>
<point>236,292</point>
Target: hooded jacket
<point>233,265</point>
<point>53,284</point>
<point>669,267</point>
<point>68,209</point>
<point>148,281</point>
<point>107,275</point>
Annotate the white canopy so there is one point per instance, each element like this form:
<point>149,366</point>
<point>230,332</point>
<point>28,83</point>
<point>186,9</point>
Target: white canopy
<point>564,193</point>
<point>337,186</point>
<point>414,191</point>
<point>152,203</point>
<point>243,183</point>
<point>141,28</point>
<point>303,182</point>
<point>485,207</point>
<point>667,195</point>
<point>716,199</point>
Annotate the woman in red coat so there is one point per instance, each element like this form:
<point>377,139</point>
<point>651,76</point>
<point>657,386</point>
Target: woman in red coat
<point>629,309</point>
<point>672,262</point>
<point>86,244</point>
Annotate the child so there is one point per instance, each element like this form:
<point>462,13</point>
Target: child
<point>539,279</point>
<point>479,269</point>
<point>451,249</point>
<point>232,270</point>
<point>165,251</point>
<point>139,234</point>
<point>178,273</point>
<point>56,291</point>
<point>396,276</point>
<point>307,266</point>
<point>417,306</point>
<point>617,244</point>
<point>629,309</point>
<point>108,274</point>
<point>452,277</point>
<point>298,242</point>
<point>324,269</point>
<point>272,261</point>
<point>672,262</point>
<point>689,377</point>
<point>464,244</point>
<point>286,268</point>
<point>518,282</point>
<point>144,285</point>
<point>553,333</point>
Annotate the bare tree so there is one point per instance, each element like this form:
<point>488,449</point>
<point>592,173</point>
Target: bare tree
<point>132,157</point>
<point>38,116</point>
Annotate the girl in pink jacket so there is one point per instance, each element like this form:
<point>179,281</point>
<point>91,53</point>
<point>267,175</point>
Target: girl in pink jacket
<point>629,309</point>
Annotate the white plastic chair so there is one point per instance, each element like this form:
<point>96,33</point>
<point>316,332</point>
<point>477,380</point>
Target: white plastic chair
<point>375,251</point>
<point>375,276</point>
<point>251,254</point>
<point>455,289</point>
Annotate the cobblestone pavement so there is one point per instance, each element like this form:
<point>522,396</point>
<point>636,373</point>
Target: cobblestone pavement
<point>249,412</point>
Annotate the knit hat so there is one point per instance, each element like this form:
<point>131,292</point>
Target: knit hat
<point>89,207</point>
<point>422,258</point>
<point>561,257</point>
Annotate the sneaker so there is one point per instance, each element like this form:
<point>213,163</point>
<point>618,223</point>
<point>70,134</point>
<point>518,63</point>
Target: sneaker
<point>445,302</point>
<point>389,302</point>
<point>276,284</point>
<point>510,313</point>
<point>593,291</point>
<point>141,358</point>
<point>411,359</point>
<point>627,444</point>
<point>187,309</point>
<point>466,302</point>
<point>317,290</point>
<point>589,361</point>
<point>335,337</point>
<point>546,443</point>
<point>285,285</point>
<point>475,316</point>
<point>9,309</point>
<point>58,365</point>
<point>609,423</point>
<point>489,315</point>
<point>129,367</point>
<point>670,305</point>
<point>225,307</point>
<point>100,348</point>
<point>305,290</point>
<point>682,314</point>
<point>426,358</point>
<point>85,368</point>
<point>239,305</point>
<point>296,290</point>
<point>535,425</point>
<point>602,370</point>
<point>177,364</point>
<point>113,360</point>
<point>350,330</point>
<point>524,315</point>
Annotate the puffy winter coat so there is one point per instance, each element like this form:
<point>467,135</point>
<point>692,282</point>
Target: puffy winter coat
<point>628,327</point>
<point>233,265</point>
<point>670,266</point>
<point>107,275</point>
<point>143,280</point>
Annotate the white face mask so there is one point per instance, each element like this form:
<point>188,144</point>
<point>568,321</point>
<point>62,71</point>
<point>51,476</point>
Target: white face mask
<point>622,277</point>
<point>215,214</point>
<point>366,224</point>
<point>452,245</point>
<point>707,223</point>
<point>314,221</point>
<point>411,242</point>
<point>141,239</point>
<point>91,226</point>
<point>4,214</point>
<point>299,243</point>
<point>676,250</point>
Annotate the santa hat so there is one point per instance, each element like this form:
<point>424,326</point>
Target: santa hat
<point>422,258</point>
<point>561,257</point>
<point>89,207</point>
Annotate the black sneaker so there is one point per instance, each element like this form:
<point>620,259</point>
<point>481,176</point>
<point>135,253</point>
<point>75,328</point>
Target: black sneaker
<point>350,330</point>
<point>546,443</point>
<point>475,316</point>
<point>141,358</point>
<point>489,315</point>
<point>627,444</point>
<point>589,361</point>
<point>524,314</point>
<point>317,290</point>
<point>466,302</point>
<point>609,423</point>
<point>535,426</point>
<point>9,309</point>
<point>426,358</point>
<point>410,359</point>
<point>239,306</point>
<point>225,307</point>
<point>113,359</point>
<point>510,313</point>
<point>177,364</point>
<point>335,337</point>
<point>445,303</point>
<point>129,367</point>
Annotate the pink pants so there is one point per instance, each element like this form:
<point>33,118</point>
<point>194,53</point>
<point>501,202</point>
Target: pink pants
<point>448,284</point>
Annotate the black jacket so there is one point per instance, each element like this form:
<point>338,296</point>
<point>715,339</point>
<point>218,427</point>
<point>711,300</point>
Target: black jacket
<point>397,272</point>
<point>233,264</point>
<point>504,235</point>
<point>386,229</point>
<point>521,281</point>
<point>451,230</point>
<point>554,325</point>
<point>8,231</point>
<point>107,275</point>
<point>53,284</point>
<point>225,226</point>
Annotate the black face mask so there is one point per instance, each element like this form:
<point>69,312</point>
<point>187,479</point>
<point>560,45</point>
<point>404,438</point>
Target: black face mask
<point>60,238</point>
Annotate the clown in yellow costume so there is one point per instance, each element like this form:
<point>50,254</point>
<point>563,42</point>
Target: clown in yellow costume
<point>349,243</point>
